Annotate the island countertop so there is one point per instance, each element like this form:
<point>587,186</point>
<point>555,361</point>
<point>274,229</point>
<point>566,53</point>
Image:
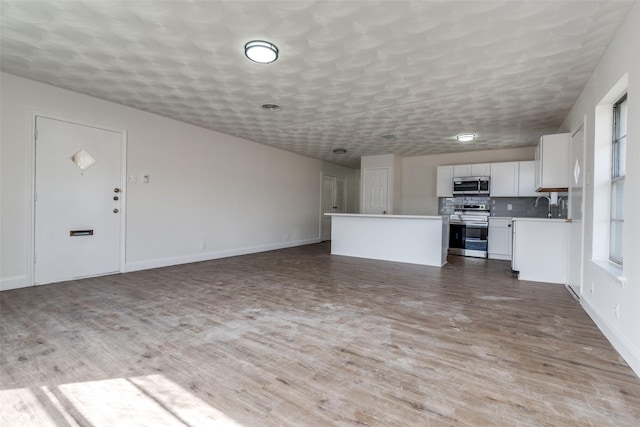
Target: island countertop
<point>438,217</point>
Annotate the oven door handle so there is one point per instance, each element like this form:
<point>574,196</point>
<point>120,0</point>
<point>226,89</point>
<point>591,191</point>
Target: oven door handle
<point>478,224</point>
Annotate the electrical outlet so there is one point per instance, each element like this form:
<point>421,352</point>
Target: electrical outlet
<point>203,244</point>
<point>616,309</point>
<point>509,207</point>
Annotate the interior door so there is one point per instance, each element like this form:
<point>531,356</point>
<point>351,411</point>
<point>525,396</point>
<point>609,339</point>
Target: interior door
<point>334,200</point>
<point>376,191</point>
<point>77,201</point>
<point>576,184</point>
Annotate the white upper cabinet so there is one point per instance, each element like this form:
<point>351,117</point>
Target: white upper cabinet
<point>481,169</point>
<point>461,170</point>
<point>478,169</point>
<point>527,179</point>
<point>508,179</point>
<point>552,163</point>
<point>504,179</point>
<point>445,175</point>
<point>444,182</point>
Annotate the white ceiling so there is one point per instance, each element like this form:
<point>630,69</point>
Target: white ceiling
<point>349,72</point>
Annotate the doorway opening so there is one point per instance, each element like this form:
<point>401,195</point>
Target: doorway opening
<point>334,200</point>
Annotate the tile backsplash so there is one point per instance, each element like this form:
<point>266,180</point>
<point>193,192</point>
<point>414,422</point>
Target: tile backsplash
<point>448,204</point>
<point>520,206</point>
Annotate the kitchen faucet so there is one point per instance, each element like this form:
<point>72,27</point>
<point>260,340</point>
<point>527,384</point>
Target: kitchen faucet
<point>562,203</point>
<point>548,205</point>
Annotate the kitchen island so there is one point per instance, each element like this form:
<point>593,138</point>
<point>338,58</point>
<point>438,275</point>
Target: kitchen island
<point>414,239</point>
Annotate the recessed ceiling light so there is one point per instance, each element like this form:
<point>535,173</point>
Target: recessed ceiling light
<point>466,137</point>
<point>339,150</point>
<point>390,137</point>
<point>261,51</point>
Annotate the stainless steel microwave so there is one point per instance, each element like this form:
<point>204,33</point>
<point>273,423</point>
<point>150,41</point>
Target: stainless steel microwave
<point>471,185</point>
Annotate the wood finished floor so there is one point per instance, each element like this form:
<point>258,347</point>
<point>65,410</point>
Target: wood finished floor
<point>298,337</point>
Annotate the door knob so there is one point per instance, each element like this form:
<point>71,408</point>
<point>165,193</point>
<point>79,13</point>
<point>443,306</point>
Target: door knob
<point>116,190</point>
<point>116,210</point>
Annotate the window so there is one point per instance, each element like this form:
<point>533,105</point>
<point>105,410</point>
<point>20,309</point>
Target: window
<point>618,166</point>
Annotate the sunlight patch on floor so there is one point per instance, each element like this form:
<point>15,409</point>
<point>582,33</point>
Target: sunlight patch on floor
<point>151,400</point>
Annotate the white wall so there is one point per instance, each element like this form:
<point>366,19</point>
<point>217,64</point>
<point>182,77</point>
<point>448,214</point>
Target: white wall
<point>419,175</point>
<point>237,195</point>
<point>600,292</point>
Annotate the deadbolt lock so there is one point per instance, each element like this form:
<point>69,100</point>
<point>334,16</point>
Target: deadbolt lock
<point>116,198</point>
<point>116,210</point>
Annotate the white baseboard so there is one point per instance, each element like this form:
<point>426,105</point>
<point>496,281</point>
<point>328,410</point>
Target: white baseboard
<point>206,256</point>
<point>15,282</point>
<point>619,342</point>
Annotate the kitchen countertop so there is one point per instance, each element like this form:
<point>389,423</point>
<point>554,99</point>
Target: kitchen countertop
<point>540,219</point>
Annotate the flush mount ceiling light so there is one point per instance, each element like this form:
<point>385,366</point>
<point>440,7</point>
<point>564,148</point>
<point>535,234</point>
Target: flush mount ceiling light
<point>339,150</point>
<point>271,107</point>
<point>390,137</point>
<point>466,137</point>
<point>261,51</point>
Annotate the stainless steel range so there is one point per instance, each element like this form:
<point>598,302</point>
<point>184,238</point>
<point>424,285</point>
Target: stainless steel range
<point>468,230</point>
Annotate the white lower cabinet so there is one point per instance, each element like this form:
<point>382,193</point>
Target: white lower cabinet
<point>540,249</point>
<point>500,241</point>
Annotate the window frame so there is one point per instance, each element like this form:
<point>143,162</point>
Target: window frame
<point>618,164</point>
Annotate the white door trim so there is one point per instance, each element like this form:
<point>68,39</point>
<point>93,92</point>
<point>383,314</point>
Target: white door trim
<point>321,214</point>
<point>32,174</point>
<point>578,287</point>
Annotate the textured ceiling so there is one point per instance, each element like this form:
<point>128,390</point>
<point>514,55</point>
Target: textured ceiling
<point>349,72</point>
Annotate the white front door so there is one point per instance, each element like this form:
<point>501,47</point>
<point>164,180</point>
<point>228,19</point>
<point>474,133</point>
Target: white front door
<point>375,198</point>
<point>334,200</point>
<point>576,184</point>
<point>78,202</point>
